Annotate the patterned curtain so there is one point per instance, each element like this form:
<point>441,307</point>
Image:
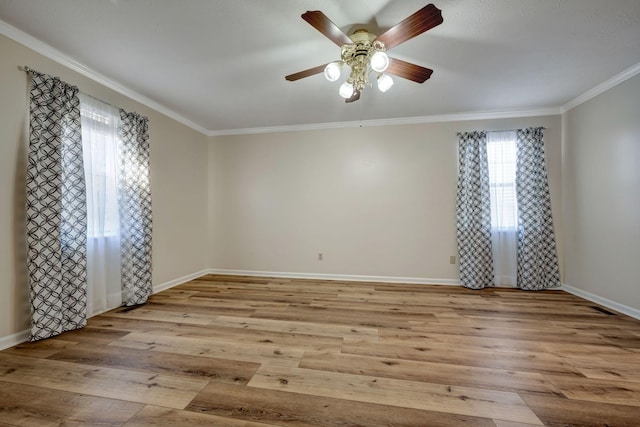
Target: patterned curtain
<point>473,211</point>
<point>134,199</point>
<point>537,258</point>
<point>56,209</point>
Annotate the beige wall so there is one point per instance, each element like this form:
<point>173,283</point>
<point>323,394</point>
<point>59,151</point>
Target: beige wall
<point>178,177</point>
<point>377,201</point>
<point>601,153</point>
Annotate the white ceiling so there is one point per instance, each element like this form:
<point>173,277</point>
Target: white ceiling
<point>221,64</point>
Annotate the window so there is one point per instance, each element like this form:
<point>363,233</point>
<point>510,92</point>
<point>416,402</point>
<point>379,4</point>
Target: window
<point>501,156</point>
<point>100,149</point>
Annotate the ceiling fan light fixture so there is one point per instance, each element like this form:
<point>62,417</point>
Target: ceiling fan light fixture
<point>379,61</point>
<point>365,53</point>
<point>384,82</point>
<point>332,71</point>
<point>346,90</point>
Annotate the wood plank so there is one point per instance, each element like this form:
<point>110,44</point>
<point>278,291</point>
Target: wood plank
<point>501,423</point>
<point>257,337</point>
<point>584,352</point>
<point>40,349</point>
<point>603,324</point>
<point>143,313</point>
<point>520,361</point>
<point>268,296</point>
<point>411,298</point>
<point>154,416</point>
<point>609,370</point>
<point>239,303</point>
<point>283,408</point>
<point>218,370</point>
<point>440,373</point>
<point>325,315</point>
<point>308,328</point>
<point>622,338</point>
<point>579,413</point>
<point>235,334</point>
<point>176,293</point>
<point>112,383</point>
<point>382,307</point>
<point>540,315</point>
<point>465,342</point>
<point>212,348</point>
<point>27,405</point>
<point>89,334</point>
<point>275,287</point>
<point>606,391</point>
<point>541,333</point>
<point>132,325</point>
<point>187,306</point>
<point>407,394</point>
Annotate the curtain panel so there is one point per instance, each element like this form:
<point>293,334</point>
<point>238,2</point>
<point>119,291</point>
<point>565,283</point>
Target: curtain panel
<point>473,212</point>
<point>537,257</point>
<point>134,200</point>
<point>101,161</point>
<point>56,209</point>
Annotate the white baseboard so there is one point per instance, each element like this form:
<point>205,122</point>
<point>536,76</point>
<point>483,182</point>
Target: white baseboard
<point>180,280</point>
<point>14,339</point>
<point>625,309</point>
<point>344,277</point>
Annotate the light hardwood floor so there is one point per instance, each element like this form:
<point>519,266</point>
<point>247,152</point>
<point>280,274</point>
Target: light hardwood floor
<point>255,351</point>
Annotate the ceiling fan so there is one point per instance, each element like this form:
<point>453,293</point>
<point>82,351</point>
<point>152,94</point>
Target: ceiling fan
<point>365,53</point>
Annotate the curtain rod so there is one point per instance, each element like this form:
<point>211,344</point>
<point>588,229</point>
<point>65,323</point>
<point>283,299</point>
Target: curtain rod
<point>506,130</point>
<point>515,130</point>
<point>27,69</point>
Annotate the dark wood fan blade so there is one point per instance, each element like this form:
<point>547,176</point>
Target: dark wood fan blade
<point>416,24</point>
<point>306,73</point>
<point>354,97</point>
<point>320,22</point>
<point>408,70</point>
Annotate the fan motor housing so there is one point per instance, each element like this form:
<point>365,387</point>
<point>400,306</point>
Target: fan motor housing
<point>362,36</point>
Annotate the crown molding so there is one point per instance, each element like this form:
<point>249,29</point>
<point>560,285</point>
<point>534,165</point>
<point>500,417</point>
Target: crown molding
<point>458,117</point>
<point>602,87</point>
<point>61,58</point>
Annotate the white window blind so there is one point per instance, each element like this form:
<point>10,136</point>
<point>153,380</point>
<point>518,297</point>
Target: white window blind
<point>501,156</point>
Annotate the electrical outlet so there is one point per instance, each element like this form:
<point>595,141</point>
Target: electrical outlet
<point>452,259</point>
<point>320,256</point>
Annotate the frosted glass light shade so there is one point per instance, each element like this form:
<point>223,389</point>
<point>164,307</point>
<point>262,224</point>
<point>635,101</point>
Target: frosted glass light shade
<point>346,90</point>
<point>385,82</point>
<point>379,62</point>
<point>332,71</point>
